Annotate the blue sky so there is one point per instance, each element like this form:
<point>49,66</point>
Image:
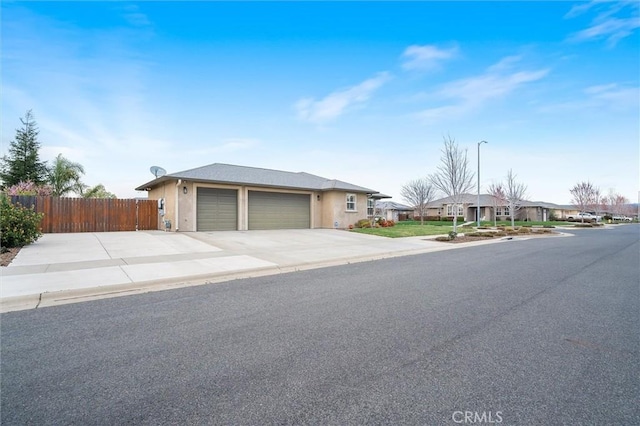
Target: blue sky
<point>363,92</point>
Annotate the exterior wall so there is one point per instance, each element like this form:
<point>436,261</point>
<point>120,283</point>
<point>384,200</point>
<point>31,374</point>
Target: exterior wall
<point>187,208</point>
<point>182,215</point>
<point>166,191</point>
<point>334,209</point>
<point>326,208</point>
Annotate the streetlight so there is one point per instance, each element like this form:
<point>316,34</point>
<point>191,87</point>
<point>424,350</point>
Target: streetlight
<point>478,207</point>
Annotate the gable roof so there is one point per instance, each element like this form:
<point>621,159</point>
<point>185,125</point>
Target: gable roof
<point>392,205</point>
<point>487,200</point>
<point>243,175</point>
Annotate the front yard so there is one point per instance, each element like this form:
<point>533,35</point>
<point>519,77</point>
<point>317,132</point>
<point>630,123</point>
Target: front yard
<point>412,228</point>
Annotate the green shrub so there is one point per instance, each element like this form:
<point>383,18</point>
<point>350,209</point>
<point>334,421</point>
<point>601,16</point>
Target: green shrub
<point>19,225</point>
<point>453,235</point>
<point>548,226</point>
<point>363,223</point>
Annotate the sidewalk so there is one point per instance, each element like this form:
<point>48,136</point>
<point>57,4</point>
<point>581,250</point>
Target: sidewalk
<point>65,268</point>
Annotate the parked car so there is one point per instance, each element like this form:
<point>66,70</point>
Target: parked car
<point>587,217</point>
<point>621,219</point>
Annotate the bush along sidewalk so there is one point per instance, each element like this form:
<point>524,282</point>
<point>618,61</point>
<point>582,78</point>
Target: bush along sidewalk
<point>19,225</point>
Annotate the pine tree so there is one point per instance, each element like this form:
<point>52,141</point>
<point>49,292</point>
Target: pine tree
<point>22,164</point>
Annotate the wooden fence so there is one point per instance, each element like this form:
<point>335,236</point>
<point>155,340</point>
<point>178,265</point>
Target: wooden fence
<point>92,214</point>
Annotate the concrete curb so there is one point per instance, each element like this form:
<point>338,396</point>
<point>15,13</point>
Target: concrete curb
<point>62,297</point>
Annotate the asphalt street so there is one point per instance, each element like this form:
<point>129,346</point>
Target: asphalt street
<point>542,331</point>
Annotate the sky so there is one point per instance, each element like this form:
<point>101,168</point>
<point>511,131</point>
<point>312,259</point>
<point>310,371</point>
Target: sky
<point>363,92</point>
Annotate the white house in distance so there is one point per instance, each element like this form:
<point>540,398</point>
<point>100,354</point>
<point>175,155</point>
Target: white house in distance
<point>391,210</point>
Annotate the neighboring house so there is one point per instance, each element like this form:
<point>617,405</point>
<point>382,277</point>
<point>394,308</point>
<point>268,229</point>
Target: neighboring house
<point>391,210</point>
<point>227,197</point>
<point>538,211</point>
<point>445,208</point>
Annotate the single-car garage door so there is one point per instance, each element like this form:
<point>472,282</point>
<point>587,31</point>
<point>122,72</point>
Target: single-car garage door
<point>217,209</point>
<point>275,210</point>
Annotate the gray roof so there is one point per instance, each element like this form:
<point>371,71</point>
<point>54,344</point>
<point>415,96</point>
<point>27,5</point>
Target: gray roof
<point>242,175</point>
<point>487,201</point>
<point>392,205</point>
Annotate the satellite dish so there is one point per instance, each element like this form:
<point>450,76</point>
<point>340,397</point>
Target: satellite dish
<point>157,171</point>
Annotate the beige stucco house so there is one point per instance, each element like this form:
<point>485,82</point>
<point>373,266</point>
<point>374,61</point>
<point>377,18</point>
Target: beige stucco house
<point>228,197</point>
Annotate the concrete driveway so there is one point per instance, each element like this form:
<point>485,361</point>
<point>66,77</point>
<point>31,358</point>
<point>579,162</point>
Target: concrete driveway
<point>62,268</point>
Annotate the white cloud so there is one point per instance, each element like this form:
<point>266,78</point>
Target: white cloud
<point>602,97</point>
<point>470,93</point>
<point>339,102</point>
<point>427,57</point>
<point>606,25</point>
<point>134,16</point>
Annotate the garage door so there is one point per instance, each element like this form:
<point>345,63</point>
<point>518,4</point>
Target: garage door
<point>217,209</point>
<point>274,210</point>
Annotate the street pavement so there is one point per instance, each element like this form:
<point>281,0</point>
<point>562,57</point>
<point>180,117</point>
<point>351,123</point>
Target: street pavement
<point>65,268</point>
<point>536,332</point>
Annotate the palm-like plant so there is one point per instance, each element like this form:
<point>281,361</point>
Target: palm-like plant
<point>98,191</point>
<point>64,176</point>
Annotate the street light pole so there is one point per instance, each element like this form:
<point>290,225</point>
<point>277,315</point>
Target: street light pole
<point>478,207</point>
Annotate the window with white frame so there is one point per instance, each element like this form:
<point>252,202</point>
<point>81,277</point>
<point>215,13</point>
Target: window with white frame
<point>451,209</point>
<point>500,213</point>
<point>351,202</point>
<point>370,206</point>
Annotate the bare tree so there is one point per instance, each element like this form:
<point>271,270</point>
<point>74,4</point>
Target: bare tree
<point>498,199</point>
<point>453,176</point>
<point>596,202</point>
<point>419,193</point>
<point>617,205</point>
<point>582,196</point>
<point>515,194</point>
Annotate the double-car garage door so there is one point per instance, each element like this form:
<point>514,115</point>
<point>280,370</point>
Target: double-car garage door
<point>275,210</point>
<point>217,210</point>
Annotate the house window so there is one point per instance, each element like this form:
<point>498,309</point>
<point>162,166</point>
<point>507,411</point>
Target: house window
<point>450,210</point>
<point>499,211</point>
<point>351,202</point>
<point>370,206</point>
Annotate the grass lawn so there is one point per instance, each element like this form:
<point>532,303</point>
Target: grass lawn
<point>411,228</point>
